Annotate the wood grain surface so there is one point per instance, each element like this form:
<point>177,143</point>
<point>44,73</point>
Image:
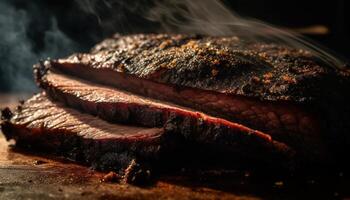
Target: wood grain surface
<point>29,175</point>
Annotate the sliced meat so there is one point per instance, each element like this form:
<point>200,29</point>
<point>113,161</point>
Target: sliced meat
<point>285,92</point>
<point>120,106</point>
<point>45,125</point>
<point>274,117</point>
<point>42,124</point>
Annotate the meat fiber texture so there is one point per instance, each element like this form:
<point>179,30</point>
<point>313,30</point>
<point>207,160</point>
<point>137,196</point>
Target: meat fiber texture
<point>119,106</point>
<point>44,125</point>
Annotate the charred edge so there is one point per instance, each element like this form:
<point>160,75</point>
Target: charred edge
<point>268,152</point>
<point>5,117</point>
<point>40,70</point>
<point>101,158</point>
<point>6,114</point>
<point>89,153</point>
<point>137,173</point>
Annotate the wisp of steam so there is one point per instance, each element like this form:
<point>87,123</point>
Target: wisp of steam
<point>212,17</point>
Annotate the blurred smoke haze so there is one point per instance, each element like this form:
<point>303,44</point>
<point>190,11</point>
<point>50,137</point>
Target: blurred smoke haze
<point>17,52</point>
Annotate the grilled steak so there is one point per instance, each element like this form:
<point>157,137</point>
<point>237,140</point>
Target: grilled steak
<point>283,92</point>
<point>42,124</point>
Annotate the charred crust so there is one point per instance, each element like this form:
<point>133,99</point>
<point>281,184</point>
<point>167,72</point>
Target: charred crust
<point>111,177</point>
<point>137,173</point>
<point>40,70</point>
<point>218,63</point>
<point>6,114</point>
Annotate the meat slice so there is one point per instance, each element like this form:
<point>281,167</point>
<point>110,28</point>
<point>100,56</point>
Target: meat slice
<point>42,124</point>
<point>119,106</point>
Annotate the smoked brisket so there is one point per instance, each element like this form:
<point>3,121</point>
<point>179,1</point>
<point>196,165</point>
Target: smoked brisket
<point>154,97</point>
<point>286,93</point>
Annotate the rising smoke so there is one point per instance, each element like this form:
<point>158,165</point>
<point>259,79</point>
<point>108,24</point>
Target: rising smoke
<point>17,50</point>
<point>209,17</point>
<point>212,17</point>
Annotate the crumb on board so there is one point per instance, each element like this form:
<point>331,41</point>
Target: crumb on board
<point>111,177</point>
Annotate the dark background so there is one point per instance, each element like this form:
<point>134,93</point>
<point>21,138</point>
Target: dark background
<point>37,29</point>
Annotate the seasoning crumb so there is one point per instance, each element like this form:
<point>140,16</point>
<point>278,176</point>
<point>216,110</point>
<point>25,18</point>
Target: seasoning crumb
<point>255,79</point>
<point>38,162</point>
<point>137,174</point>
<point>111,177</point>
<point>6,114</point>
<point>288,79</point>
<point>268,75</point>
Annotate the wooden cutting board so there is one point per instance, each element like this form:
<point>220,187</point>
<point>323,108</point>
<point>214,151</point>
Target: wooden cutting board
<point>26,175</point>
